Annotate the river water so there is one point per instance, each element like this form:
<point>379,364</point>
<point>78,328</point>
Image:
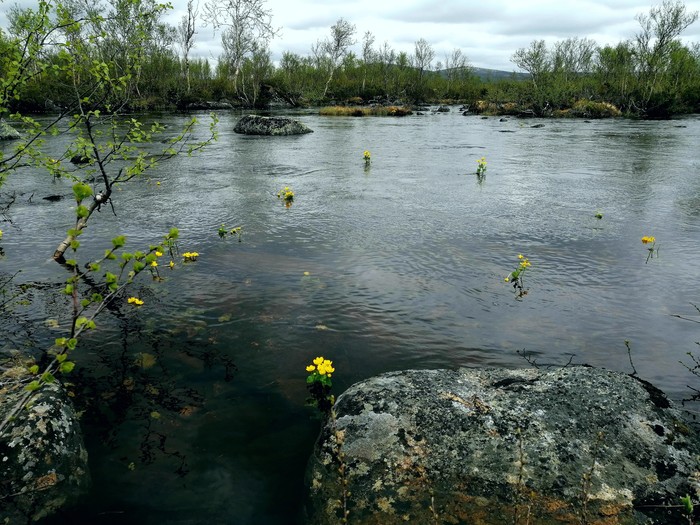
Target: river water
<point>194,402</point>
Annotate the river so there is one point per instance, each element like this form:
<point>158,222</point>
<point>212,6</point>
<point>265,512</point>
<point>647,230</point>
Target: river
<point>195,402</point>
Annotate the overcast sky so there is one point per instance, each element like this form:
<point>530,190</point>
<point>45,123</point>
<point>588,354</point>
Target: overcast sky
<point>488,32</point>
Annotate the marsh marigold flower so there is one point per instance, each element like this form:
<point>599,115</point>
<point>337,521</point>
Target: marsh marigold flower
<point>648,240</point>
<point>135,301</point>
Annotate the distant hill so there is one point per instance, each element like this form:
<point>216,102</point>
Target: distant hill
<point>493,74</point>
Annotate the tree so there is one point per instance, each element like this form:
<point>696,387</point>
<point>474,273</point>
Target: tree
<point>247,27</point>
<point>615,71</point>
<point>456,68</point>
<point>336,47</point>
<point>368,56</point>
<point>186,32</point>
<point>573,56</point>
<point>654,44</point>
<point>534,60</point>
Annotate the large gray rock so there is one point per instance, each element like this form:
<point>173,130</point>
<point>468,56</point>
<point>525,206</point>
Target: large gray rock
<point>257,125</point>
<point>43,461</point>
<point>7,132</point>
<point>490,446</point>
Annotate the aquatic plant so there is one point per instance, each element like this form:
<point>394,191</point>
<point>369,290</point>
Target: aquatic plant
<point>224,231</point>
<point>190,256</point>
<point>516,276</point>
<point>598,215</point>
<point>650,243</point>
<point>319,384</point>
<point>287,195</point>
<point>481,167</point>
<point>135,301</point>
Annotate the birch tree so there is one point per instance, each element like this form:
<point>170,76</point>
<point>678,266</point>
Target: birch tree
<point>246,27</point>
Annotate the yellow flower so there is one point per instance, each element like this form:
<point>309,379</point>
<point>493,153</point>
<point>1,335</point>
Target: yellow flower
<point>507,279</point>
<point>318,361</point>
<point>190,256</point>
<point>310,368</point>
<point>135,301</point>
<point>520,256</point>
<point>159,254</point>
<point>366,155</point>
<point>154,263</point>
<point>171,264</point>
<point>0,234</point>
<point>648,240</point>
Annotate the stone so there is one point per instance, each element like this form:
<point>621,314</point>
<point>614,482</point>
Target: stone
<point>258,125</point>
<point>43,460</point>
<point>7,132</point>
<point>494,446</point>
<point>209,105</point>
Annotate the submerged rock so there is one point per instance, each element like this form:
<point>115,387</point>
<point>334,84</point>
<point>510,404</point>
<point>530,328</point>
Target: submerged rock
<point>493,446</point>
<point>257,125</point>
<point>43,460</point>
<point>7,132</point>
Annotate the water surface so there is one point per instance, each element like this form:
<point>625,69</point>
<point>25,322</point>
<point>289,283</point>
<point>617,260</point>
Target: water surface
<point>399,265</point>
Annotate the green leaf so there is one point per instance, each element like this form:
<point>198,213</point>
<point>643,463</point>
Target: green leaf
<point>47,377</point>
<point>34,385</point>
<point>81,191</point>
<point>75,244</point>
<point>34,369</point>
<point>71,343</point>
<point>66,367</point>
<point>85,303</point>
<point>61,357</point>
<point>95,267</point>
<point>61,342</point>
<point>82,211</point>
<point>119,242</point>
<point>68,290</point>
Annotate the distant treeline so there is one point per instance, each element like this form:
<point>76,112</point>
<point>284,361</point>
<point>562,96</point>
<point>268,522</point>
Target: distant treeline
<point>651,75</point>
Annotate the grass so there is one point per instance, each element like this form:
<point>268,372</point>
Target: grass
<point>367,111</point>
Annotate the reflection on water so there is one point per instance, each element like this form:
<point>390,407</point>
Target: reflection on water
<point>196,402</point>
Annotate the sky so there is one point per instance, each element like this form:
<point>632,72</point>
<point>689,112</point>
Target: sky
<point>487,32</point>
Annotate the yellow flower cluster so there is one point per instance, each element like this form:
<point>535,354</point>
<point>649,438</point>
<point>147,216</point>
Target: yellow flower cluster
<point>190,256</point>
<point>524,263</point>
<point>0,234</point>
<point>323,366</point>
<point>366,155</point>
<point>648,240</point>
<point>481,166</point>
<point>135,301</point>
<point>286,194</point>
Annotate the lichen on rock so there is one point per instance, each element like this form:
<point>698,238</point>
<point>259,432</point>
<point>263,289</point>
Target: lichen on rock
<point>492,446</point>
<point>43,460</point>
